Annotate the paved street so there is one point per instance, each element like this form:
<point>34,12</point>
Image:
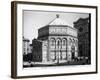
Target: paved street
<point>41,64</point>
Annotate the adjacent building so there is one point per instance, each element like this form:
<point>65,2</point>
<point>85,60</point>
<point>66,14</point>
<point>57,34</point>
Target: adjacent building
<point>37,50</point>
<point>27,50</point>
<point>25,46</point>
<point>84,38</point>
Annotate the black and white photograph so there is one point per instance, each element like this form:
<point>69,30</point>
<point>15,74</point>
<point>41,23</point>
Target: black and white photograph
<point>56,38</point>
<point>53,39</point>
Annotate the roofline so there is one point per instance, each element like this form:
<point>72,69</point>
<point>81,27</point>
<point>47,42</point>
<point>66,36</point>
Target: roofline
<point>37,40</point>
<point>57,35</point>
<point>80,19</point>
<point>58,26</point>
<point>62,26</point>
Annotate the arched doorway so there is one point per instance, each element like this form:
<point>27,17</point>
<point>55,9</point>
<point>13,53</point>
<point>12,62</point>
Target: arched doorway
<point>58,50</point>
<point>73,52</point>
<point>64,49</point>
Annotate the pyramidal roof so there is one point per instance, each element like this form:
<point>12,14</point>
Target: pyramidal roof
<point>58,21</point>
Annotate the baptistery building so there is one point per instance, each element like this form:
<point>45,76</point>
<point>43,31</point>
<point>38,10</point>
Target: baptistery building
<point>59,42</point>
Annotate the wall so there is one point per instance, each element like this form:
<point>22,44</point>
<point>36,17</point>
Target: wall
<point>5,41</point>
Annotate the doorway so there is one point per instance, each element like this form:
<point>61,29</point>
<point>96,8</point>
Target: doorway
<point>73,52</point>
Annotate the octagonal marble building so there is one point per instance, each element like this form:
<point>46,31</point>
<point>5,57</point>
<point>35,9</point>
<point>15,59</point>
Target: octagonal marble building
<point>59,41</point>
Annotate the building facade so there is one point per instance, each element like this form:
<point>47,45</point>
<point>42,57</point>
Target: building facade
<point>37,50</point>
<point>83,26</point>
<point>59,41</point>
<point>26,46</point>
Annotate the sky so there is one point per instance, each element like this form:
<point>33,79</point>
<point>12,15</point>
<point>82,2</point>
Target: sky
<point>33,20</point>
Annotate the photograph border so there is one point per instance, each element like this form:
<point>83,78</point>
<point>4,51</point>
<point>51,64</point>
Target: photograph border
<point>14,37</point>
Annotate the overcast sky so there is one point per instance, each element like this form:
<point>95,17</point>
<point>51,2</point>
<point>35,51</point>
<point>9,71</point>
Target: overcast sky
<point>33,20</point>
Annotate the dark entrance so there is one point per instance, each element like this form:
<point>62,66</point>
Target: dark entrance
<point>73,52</point>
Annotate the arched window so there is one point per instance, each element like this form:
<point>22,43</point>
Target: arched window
<point>58,43</point>
<point>52,42</point>
<point>73,48</point>
<point>70,40</point>
<point>45,47</point>
<point>64,42</point>
<point>73,40</point>
<point>76,42</point>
